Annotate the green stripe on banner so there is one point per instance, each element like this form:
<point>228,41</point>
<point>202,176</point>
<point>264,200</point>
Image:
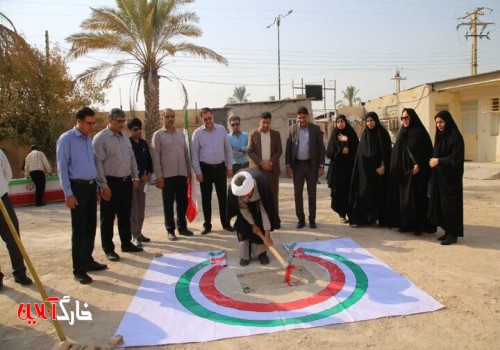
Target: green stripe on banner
<point>184,296</point>
<point>23,180</point>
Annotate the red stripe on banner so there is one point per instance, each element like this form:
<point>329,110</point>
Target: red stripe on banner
<point>29,198</point>
<point>217,260</point>
<point>337,282</point>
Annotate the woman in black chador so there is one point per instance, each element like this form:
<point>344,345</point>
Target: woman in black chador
<point>409,176</point>
<point>341,150</point>
<point>446,205</point>
<point>368,196</point>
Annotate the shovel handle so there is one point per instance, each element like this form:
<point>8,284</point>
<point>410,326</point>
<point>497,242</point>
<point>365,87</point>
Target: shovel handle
<point>274,251</point>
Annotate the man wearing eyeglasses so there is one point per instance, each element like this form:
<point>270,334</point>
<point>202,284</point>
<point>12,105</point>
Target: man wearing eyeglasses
<point>117,174</point>
<point>239,144</point>
<point>145,167</point>
<point>212,162</point>
<point>77,173</point>
<point>172,166</point>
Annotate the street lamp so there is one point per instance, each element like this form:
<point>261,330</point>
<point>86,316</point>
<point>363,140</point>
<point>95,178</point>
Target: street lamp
<point>277,21</point>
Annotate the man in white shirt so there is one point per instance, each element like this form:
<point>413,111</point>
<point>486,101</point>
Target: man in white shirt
<point>16,258</point>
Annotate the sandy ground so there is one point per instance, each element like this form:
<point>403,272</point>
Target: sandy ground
<point>464,277</point>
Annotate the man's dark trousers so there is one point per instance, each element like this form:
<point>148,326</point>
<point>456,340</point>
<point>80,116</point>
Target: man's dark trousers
<point>175,190</point>
<point>83,224</point>
<point>38,178</point>
<point>303,172</point>
<point>213,175</point>
<point>16,258</point>
<point>119,205</point>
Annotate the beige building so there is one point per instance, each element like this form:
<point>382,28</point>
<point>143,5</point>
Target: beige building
<point>473,101</point>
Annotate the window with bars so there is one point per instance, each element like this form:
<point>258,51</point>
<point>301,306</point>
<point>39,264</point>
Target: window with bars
<point>495,116</point>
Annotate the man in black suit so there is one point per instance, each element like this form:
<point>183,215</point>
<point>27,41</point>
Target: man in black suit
<point>305,162</point>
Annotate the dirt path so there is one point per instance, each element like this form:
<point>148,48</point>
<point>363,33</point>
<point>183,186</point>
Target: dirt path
<point>464,277</point>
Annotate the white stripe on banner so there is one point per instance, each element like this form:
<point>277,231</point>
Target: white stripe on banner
<point>171,307</point>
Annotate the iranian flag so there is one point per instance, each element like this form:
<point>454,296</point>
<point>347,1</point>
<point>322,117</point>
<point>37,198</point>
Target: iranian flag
<point>192,208</point>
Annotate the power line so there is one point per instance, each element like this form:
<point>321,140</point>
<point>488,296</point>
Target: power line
<point>473,23</point>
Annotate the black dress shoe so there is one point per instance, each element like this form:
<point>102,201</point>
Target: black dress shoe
<point>228,227</point>
<point>112,256</point>
<point>131,248</point>
<point>171,236</point>
<point>144,238</point>
<point>95,266</point>
<point>185,232</point>
<point>312,225</point>
<point>301,224</point>
<point>206,230</point>
<point>449,240</point>
<point>23,280</point>
<point>82,277</point>
<point>264,259</point>
<point>244,262</point>
<point>442,238</point>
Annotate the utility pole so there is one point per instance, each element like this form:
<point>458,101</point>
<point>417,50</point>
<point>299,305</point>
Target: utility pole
<point>473,23</point>
<point>398,79</point>
<point>47,50</point>
<point>277,21</point>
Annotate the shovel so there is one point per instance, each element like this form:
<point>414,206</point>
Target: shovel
<point>289,267</point>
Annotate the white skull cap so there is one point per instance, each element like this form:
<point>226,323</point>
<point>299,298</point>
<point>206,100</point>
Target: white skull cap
<point>245,187</point>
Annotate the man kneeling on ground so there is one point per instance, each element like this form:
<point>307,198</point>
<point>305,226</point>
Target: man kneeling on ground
<point>250,200</point>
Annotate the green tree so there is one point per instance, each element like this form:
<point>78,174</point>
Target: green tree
<point>350,97</point>
<point>239,95</point>
<point>38,98</point>
<point>8,35</point>
<point>145,34</point>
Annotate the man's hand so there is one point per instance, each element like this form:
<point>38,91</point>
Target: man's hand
<point>434,162</point>
<point>267,239</point>
<point>160,182</point>
<point>415,170</point>
<point>106,194</point>
<point>71,202</point>
<point>289,172</point>
<point>135,184</point>
<point>321,171</point>
<point>229,173</point>
<point>381,170</point>
<point>199,177</point>
<point>266,165</point>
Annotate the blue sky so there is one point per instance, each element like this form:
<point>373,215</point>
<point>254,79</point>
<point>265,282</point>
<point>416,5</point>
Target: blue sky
<point>355,42</point>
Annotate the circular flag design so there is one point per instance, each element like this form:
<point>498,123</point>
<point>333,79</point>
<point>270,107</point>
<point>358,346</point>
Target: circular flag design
<point>329,261</point>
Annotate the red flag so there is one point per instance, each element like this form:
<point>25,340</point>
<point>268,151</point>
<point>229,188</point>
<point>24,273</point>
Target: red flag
<point>192,209</point>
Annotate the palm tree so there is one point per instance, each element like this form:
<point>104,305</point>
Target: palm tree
<point>349,93</point>
<point>146,33</point>
<point>239,95</point>
<point>8,35</point>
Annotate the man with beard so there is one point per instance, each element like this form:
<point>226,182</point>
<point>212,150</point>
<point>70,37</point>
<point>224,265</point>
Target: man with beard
<point>251,201</point>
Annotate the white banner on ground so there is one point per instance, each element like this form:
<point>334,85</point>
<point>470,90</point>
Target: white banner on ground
<point>179,300</point>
